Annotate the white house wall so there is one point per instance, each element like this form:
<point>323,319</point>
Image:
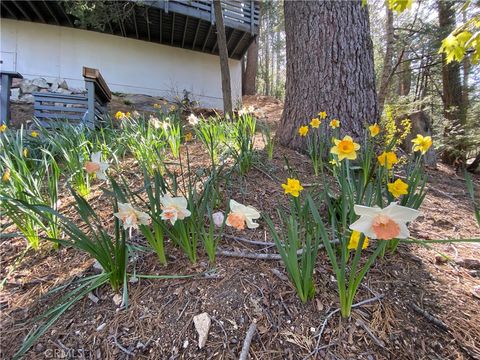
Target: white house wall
<point>127,65</point>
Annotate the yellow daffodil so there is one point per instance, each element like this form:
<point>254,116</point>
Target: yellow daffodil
<point>322,115</point>
<point>374,130</point>
<point>303,130</point>
<point>335,123</point>
<point>119,115</point>
<point>345,148</point>
<point>398,188</point>
<point>25,152</point>
<point>128,114</point>
<point>387,159</point>
<point>3,128</point>
<point>157,106</point>
<point>174,208</point>
<point>172,108</point>
<point>188,136</point>
<point>240,215</point>
<point>292,187</point>
<point>131,217</point>
<point>355,239</point>
<point>422,143</point>
<point>384,224</point>
<point>315,123</point>
<point>97,166</point>
<point>6,176</point>
<point>34,134</point>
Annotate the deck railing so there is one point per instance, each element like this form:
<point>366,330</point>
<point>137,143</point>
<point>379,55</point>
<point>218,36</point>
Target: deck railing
<point>242,15</point>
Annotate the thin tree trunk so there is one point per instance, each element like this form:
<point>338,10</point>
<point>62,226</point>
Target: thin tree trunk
<point>405,78</point>
<point>453,105</point>
<point>222,49</point>
<point>329,68</point>
<point>278,58</point>
<point>387,61</point>
<point>251,69</point>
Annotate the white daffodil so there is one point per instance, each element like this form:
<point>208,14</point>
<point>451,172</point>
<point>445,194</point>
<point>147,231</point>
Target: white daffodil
<point>174,208</point>
<point>218,218</point>
<point>131,217</point>
<point>192,119</point>
<point>155,122</point>
<point>97,166</point>
<point>384,224</point>
<point>241,214</point>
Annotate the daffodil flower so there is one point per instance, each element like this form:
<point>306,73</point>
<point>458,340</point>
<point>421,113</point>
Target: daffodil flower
<point>155,122</point>
<point>335,123</point>
<point>355,239</point>
<point>292,187</point>
<point>3,128</point>
<point>34,134</point>
<point>119,115</point>
<point>387,159</point>
<point>97,166</point>
<point>315,123</point>
<point>303,130</point>
<point>192,119</point>
<point>131,217</point>
<point>345,148</point>
<point>188,136</point>
<point>240,215</point>
<point>6,175</point>
<point>218,218</point>
<point>374,130</point>
<point>398,188</point>
<point>322,115</point>
<point>174,208</point>
<point>384,224</point>
<point>422,143</point>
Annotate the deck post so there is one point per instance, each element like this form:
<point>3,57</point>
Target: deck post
<point>89,120</point>
<point>6,83</point>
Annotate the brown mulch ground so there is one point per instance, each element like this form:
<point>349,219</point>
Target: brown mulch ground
<point>159,325</point>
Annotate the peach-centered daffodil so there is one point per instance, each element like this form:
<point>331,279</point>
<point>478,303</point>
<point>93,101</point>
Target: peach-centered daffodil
<point>355,239</point>
<point>303,130</point>
<point>387,159</point>
<point>398,188</point>
<point>345,148</point>
<point>292,187</point>
<point>422,143</point>
<point>335,123</point>
<point>131,217</point>
<point>374,130</point>
<point>97,166</point>
<point>240,215</point>
<point>174,208</point>
<point>322,115</point>
<point>315,123</point>
<point>384,224</point>
<point>6,176</point>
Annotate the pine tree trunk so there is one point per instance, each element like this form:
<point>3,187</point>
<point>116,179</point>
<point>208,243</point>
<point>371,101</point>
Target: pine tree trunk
<point>454,109</point>
<point>329,68</point>
<point>223,51</point>
<point>387,61</point>
<point>251,69</point>
<point>405,78</point>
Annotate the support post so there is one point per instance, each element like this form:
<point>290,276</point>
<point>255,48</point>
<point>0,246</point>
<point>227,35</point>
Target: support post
<point>6,83</point>
<point>89,119</point>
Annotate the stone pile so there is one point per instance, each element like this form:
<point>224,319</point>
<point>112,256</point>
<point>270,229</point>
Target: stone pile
<point>22,89</point>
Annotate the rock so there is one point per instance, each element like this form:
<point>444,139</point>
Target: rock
<point>78,91</point>
<point>440,260</point>
<point>101,326</point>
<point>472,264</point>
<point>14,94</point>
<point>93,298</point>
<point>41,83</point>
<point>58,84</point>
<point>16,83</point>
<point>27,87</point>
<point>63,91</point>
<point>117,299</point>
<point>97,266</point>
<point>202,325</point>
<point>27,99</point>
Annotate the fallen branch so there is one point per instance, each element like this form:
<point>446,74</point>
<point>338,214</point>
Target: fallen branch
<point>248,241</point>
<point>429,317</point>
<point>248,340</point>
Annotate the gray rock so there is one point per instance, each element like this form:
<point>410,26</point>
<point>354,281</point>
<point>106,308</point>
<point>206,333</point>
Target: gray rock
<point>41,83</point>
<point>14,94</point>
<point>27,87</point>
<point>16,83</point>
<point>27,98</point>
<point>77,91</point>
<point>63,91</point>
<point>58,83</point>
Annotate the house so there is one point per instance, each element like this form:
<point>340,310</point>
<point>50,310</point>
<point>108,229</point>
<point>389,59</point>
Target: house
<point>158,48</point>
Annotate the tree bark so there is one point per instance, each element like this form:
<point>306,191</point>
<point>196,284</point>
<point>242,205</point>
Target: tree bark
<point>405,78</point>
<point>387,60</point>
<point>223,51</point>
<point>251,69</point>
<point>329,68</point>
<point>453,106</point>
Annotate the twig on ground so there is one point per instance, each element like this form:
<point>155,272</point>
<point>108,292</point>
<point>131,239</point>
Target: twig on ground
<point>248,340</point>
<point>248,241</point>
<point>319,335</point>
<point>126,351</point>
<point>376,340</point>
<point>183,310</point>
<point>429,317</point>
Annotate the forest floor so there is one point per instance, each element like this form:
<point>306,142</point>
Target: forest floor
<point>427,307</point>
